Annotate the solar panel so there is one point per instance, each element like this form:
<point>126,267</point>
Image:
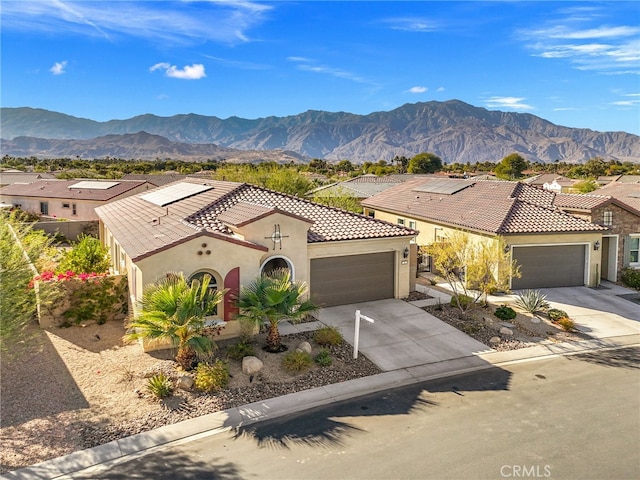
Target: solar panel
<point>173,193</point>
<point>443,187</point>
<point>93,184</point>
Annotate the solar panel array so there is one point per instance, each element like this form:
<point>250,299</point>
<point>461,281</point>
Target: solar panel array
<point>94,184</point>
<point>175,192</point>
<point>443,187</point>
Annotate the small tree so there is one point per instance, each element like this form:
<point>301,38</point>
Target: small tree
<point>273,298</point>
<point>340,197</point>
<point>19,246</point>
<point>425,163</point>
<point>511,167</point>
<point>173,310</point>
<point>87,255</point>
<point>472,268</point>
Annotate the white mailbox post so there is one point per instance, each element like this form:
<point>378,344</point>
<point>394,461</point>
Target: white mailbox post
<point>356,334</point>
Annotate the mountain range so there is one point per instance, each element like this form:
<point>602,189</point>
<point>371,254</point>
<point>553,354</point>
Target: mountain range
<point>453,130</point>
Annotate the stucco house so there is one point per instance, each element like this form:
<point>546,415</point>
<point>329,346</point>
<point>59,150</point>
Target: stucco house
<point>617,207</point>
<point>236,231</point>
<point>68,199</point>
<point>552,182</point>
<point>552,247</point>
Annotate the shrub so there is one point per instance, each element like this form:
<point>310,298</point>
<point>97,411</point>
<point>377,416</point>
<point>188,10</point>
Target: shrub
<point>240,350</point>
<point>461,301</point>
<point>160,385</point>
<point>556,314</point>
<point>566,323</point>
<point>324,358</point>
<point>505,313</point>
<point>212,377</point>
<point>328,336</point>
<point>296,362</point>
<point>532,301</point>
<point>631,278</point>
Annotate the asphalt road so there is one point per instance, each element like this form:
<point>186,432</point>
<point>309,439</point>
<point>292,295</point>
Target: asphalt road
<point>573,417</point>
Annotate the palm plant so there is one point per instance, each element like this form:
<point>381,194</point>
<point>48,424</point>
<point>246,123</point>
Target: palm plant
<point>273,298</point>
<point>173,309</point>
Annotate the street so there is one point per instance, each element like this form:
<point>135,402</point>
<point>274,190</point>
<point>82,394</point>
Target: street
<point>575,417</point>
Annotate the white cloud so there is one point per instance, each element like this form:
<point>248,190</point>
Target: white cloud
<point>174,22</point>
<point>308,65</point>
<point>58,68</point>
<point>440,89</point>
<point>418,89</point>
<point>188,72</point>
<point>514,103</point>
<point>580,37</point>
<point>412,24</point>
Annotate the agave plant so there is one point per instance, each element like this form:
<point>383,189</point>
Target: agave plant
<point>532,301</point>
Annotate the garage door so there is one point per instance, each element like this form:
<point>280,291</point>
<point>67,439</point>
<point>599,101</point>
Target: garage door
<point>553,266</point>
<point>352,278</point>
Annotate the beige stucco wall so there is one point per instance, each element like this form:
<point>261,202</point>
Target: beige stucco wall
<point>85,209</point>
<point>430,231</point>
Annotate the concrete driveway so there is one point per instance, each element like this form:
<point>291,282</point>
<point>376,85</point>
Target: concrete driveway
<point>402,334</point>
<point>601,312</point>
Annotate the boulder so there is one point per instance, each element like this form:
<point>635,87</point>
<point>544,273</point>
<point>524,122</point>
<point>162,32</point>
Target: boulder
<point>506,331</point>
<point>185,382</point>
<point>488,320</point>
<point>535,320</point>
<point>251,365</point>
<point>304,347</point>
<point>494,340</point>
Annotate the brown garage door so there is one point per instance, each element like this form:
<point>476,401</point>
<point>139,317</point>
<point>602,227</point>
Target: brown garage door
<point>552,266</point>
<point>352,278</point>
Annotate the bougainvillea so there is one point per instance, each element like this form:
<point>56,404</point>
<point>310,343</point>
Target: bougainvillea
<point>49,276</point>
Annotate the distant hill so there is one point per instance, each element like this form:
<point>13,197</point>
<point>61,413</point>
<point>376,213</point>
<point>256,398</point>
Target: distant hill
<point>454,130</point>
<point>142,146</point>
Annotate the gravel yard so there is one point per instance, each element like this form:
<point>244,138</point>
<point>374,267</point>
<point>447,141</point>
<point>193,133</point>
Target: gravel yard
<point>74,388</point>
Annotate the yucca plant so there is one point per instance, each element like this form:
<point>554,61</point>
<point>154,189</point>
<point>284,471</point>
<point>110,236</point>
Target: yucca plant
<point>160,385</point>
<point>532,301</point>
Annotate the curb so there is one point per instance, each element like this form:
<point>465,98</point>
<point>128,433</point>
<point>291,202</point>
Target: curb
<point>219,422</point>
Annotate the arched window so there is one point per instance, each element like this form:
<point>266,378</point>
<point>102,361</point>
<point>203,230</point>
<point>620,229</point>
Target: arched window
<point>213,287</point>
<point>277,263</point>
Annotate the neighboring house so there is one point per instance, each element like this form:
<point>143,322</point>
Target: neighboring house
<point>617,206</point>
<point>68,199</point>
<point>553,248</point>
<point>9,177</point>
<point>552,182</point>
<point>236,231</point>
<point>160,179</point>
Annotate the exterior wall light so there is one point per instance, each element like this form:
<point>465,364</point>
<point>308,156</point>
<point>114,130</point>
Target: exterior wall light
<point>596,246</point>
<point>405,253</point>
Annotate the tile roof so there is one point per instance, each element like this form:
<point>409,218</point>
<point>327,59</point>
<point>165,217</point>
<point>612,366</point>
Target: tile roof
<point>579,202</point>
<point>63,189</point>
<point>625,193</point>
<point>497,207</point>
<point>143,228</point>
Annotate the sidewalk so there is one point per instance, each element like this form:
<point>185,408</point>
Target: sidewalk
<point>403,340</point>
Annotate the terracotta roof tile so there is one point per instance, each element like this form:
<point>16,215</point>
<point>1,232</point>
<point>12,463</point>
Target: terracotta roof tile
<point>142,228</point>
<point>489,206</point>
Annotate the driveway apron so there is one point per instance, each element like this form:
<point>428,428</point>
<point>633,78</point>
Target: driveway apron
<point>402,334</point>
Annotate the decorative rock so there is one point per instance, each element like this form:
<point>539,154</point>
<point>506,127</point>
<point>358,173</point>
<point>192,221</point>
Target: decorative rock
<point>535,320</point>
<point>495,340</point>
<point>507,324</point>
<point>506,331</point>
<point>185,382</point>
<point>304,347</point>
<point>251,365</point>
<point>488,320</point>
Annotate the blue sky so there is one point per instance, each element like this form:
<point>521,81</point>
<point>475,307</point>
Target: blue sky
<point>575,64</point>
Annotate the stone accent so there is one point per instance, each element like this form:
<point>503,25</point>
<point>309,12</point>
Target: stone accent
<point>495,340</point>
<point>506,331</point>
<point>304,347</point>
<point>185,382</point>
<point>251,365</point>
